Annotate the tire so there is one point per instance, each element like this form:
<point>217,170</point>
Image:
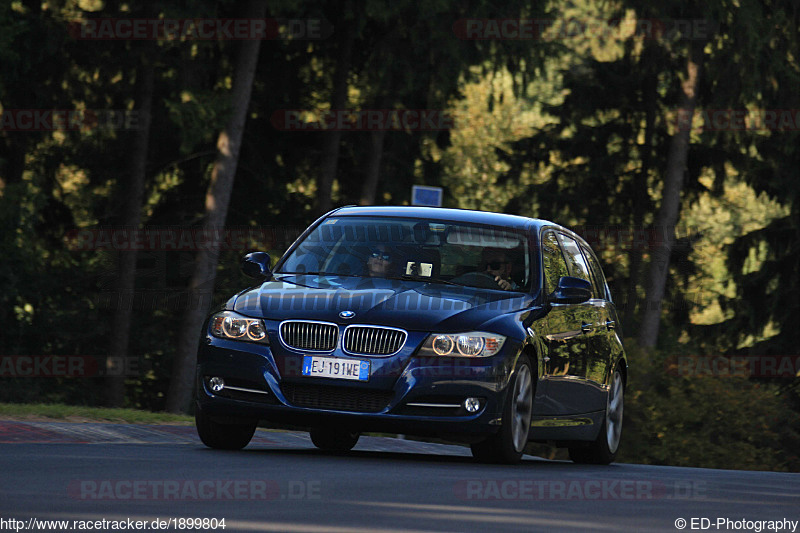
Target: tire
<point>333,439</point>
<point>604,449</point>
<point>222,436</point>
<point>508,444</point>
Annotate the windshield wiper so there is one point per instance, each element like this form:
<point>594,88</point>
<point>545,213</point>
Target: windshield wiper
<point>409,277</point>
<point>404,277</point>
<point>316,274</point>
<point>446,282</point>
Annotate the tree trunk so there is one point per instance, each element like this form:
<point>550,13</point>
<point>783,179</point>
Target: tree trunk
<point>370,188</point>
<point>640,195</point>
<point>671,198</point>
<point>332,138</point>
<point>133,197</point>
<point>218,196</point>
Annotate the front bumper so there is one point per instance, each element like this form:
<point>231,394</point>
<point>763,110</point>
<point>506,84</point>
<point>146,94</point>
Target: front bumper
<point>411,395</point>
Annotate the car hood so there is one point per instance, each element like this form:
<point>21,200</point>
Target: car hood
<point>409,304</point>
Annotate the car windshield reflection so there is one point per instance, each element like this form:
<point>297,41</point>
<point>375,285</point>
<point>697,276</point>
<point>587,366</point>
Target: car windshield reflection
<point>406,249</point>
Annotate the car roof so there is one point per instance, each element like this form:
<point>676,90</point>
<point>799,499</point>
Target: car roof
<point>442,213</point>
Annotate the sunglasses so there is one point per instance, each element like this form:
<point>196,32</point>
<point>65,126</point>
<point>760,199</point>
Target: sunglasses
<point>377,254</point>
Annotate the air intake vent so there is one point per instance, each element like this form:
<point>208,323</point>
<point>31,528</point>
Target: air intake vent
<point>336,398</point>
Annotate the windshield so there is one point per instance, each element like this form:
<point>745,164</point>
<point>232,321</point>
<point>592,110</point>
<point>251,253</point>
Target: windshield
<point>432,251</point>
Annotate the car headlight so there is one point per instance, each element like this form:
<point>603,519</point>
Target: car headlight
<point>471,344</point>
<point>227,325</point>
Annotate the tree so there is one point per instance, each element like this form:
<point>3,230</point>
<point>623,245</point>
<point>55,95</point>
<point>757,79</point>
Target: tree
<point>133,196</point>
<point>216,210</point>
<point>764,262</point>
<point>671,198</point>
<point>332,139</point>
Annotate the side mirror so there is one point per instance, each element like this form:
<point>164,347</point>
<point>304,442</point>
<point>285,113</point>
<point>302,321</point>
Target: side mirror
<point>256,265</point>
<point>571,291</point>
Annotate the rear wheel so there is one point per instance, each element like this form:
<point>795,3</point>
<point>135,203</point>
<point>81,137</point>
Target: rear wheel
<point>508,444</point>
<point>222,436</point>
<point>603,450</point>
<point>333,439</point>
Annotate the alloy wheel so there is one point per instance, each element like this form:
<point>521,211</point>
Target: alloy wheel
<point>522,408</point>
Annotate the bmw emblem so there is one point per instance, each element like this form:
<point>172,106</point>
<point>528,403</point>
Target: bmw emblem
<point>347,314</point>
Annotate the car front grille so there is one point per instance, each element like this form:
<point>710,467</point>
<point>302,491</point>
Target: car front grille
<point>336,398</point>
<point>368,340</point>
<point>312,336</point>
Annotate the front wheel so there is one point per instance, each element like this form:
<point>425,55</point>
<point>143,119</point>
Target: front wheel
<point>603,450</point>
<point>222,436</point>
<point>508,445</point>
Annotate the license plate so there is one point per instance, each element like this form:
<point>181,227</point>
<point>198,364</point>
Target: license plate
<point>334,367</point>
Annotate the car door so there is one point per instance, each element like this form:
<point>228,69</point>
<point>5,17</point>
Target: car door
<point>608,331</point>
<point>589,361</point>
<point>566,343</point>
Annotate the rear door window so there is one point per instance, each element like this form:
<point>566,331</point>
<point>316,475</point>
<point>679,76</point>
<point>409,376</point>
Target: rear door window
<point>577,263</point>
<point>597,273</point>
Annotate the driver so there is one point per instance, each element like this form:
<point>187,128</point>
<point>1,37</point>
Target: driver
<point>495,264</point>
<point>379,263</point>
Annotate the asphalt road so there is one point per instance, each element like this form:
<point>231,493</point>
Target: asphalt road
<point>92,472</point>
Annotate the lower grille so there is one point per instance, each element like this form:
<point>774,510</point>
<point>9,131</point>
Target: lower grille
<point>336,398</point>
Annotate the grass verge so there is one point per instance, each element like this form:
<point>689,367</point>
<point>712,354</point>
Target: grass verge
<point>73,413</point>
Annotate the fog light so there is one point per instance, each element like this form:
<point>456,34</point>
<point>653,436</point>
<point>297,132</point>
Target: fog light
<point>472,405</point>
<point>216,384</point>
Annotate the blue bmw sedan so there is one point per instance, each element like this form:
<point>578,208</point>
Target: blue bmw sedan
<point>487,329</point>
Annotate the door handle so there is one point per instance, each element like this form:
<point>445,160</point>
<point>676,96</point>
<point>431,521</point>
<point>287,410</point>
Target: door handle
<point>586,328</point>
<point>610,324</point>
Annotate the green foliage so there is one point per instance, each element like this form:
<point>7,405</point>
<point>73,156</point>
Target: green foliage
<point>708,421</point>
<point>489,118</point>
